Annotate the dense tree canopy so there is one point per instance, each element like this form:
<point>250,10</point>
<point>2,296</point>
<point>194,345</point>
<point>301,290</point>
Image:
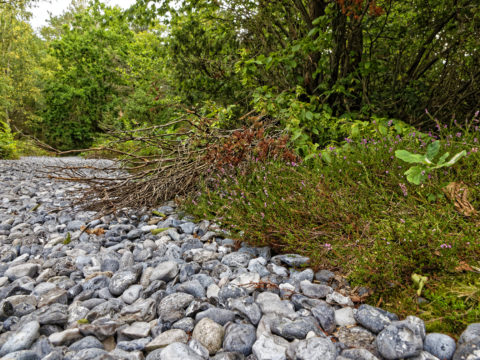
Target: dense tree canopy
<point>316,66</point>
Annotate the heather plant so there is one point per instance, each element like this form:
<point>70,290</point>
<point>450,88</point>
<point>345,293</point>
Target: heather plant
<point>357,213</point>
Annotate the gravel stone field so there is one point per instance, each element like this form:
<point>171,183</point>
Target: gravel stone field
<point>162,287</point>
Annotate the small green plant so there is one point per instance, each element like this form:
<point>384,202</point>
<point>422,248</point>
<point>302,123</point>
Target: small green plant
<point>418,173</point>
<point>68,239</point>
<point>419,281</point>
<point>158,231</point>
<point>158,213</point>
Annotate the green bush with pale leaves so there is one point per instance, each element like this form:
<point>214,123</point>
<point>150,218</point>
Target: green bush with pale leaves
<point>8,146</point>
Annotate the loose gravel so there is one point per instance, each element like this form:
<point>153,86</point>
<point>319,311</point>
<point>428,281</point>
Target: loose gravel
<point>77,286</point>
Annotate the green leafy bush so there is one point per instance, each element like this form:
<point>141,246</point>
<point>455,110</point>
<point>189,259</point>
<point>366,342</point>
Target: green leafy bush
<point>8,146</point>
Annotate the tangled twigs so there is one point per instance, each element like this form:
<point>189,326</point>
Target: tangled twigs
<point>158,163</point>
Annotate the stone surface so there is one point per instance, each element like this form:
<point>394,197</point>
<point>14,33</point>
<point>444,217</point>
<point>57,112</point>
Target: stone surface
<point>316,348</point>
<point>166,338</point>
<point>399,340</point>
<point>21,339</point>
<point>374,319</point>
<point>239,338</point>
<point>440,345</point>
<point>210,334</point>
<point>266,348</point>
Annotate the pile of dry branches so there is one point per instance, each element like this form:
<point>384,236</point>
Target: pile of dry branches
<point>153,165</point>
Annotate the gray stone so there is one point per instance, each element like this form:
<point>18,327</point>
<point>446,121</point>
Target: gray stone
<point>75,225</point>
<point>140,310</point>
<point>337,298</point>
<point>424,355</point>
<point>92,354</point>
<point>471,333</point>
<point>358,354</point>
<point>248,308</point>
<point>130,295</point>
<point>134,234</point>
<point>55,295</point>
<point>294,329</point>
<point>16,272</point>
<point>165,271</point>
<point>315,348</point>
<point>258,265</point>
<point>236,259</point>
<point>120,354</point>
<point>374,319</point>
<point>198,348</point>
<point>270,303</point>
<point>293,260</point>
<point>22,355</point>
<point>468,351</point>
<point>96,283</point>
<point>175,351</point>
<point>187,228</point>
<point>357,337</point>
<point>266,348</point>
<point>325,314</point>
<point>192,287</point>
<point>298,276</point>
<point>21,339</point>
<point>136,330</point>
<point>186,324</point>
<point>277,270</point>
<point>315,290</point>
<point>100,328</point>
<point>166,338</point>
<point>220,316</point>
<point>345,317</point>
<point>88,342</point>
<point>172,307</point>
<point>399,340</point>
<point>209,334</point>
<point>240,338</point>
<point>110,264</point>
<point>440,345</point>
<point>65,337</point>
<point>121,280</point>
<point>324,276</point>
<point>134,345</point>
<point>104,309</point>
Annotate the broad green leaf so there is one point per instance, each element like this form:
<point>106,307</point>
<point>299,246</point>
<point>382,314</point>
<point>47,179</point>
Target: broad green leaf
<point>442,159</point>
<point>415,175</point>
<point>432,150</point>
<point>296,48</point>
<point>355,130</point>
<point>383,130</point>
<point>326,156</point>
<point>455,158</point>
<point>408,157</point>
<point>309,115</point>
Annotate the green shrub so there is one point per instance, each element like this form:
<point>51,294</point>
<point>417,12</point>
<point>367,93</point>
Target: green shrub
<point>8,146</point>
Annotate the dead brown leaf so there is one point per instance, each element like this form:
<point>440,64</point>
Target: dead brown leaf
<point>458,193</point>
<point>97,231</point>
<point>463,266</point>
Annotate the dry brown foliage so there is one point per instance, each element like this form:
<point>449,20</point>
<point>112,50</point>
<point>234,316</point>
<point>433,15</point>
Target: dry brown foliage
<point>175,163</point>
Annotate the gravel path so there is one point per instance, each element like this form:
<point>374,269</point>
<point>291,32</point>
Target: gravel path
<point>156,285</point>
